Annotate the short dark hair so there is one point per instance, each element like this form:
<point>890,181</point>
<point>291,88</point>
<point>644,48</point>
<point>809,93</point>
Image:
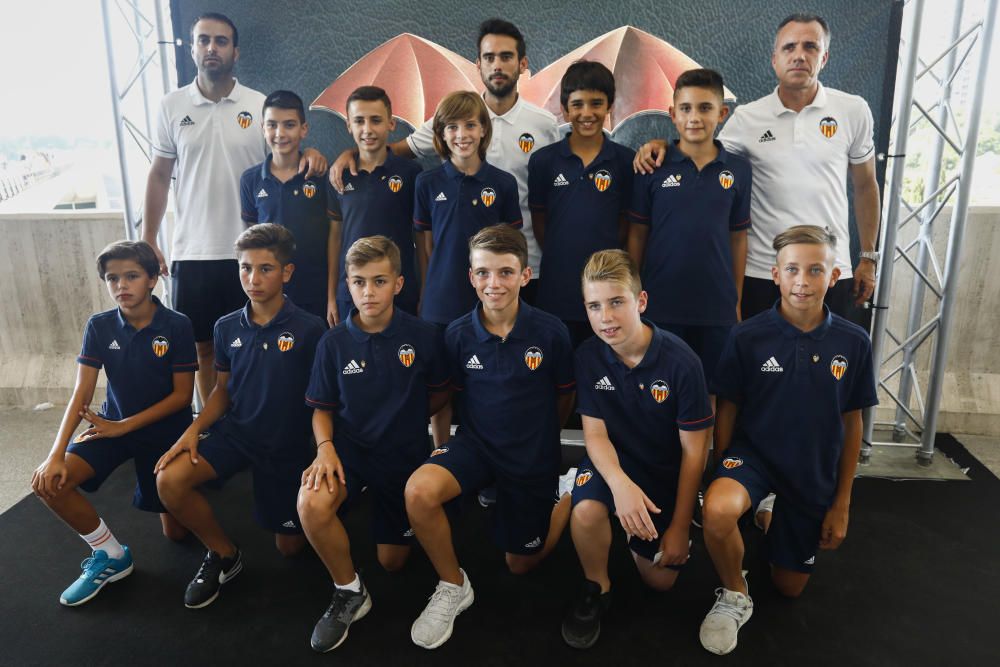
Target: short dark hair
<point>501,239</point>
<point>268,236</point>
<point>284,99</point>
<point>701,78</point>
<point>500,27</point>
<point>139,252</point>
<point>803,17</point>
<point>369,94</point>
<point>221,18</point>
<point>370,249</point>
<point>587,75</point>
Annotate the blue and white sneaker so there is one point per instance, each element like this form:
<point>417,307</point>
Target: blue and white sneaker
<point>98,570</point>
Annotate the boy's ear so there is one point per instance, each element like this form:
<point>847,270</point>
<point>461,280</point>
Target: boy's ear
<point>286,272</point>
<point>723,112</point>
<point>399,285</point>
<point>642,301</point>
<point>670,111</point>
<point>392,123</point>
<point>305,129</point>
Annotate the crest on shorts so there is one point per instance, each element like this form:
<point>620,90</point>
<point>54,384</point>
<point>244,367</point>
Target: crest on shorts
<point>726,179</point>
<point>244,118</point>
<point>828,126</point>
<point>439,450</point>
<point>584,477</point>
<point>731,462</point>
<point>286,341</point>
<point>309,189</point>
<point>395,183</point>
<point>160,346</point>
<point>602,180</point>
<point>660,390</point>
<point>407,354</point>
<point>533,357</point>
<point>526,142</point>
<point>838,366</point>
<point>488,195</point>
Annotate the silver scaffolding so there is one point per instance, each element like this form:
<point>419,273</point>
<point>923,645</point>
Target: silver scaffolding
<point>896,352</point>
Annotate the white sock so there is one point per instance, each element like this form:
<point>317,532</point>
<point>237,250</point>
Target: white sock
<point>104,540</point>
<point>353,586</point>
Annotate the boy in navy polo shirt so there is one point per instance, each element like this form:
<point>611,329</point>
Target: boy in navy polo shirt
<point>378,200</point>
<point>148,354</point>
<point>578,190</point>
<point>275,191</point>
<point>254,418</point>
<point>689,223</point>
<point>792,383</point>
<point>376,378</point>
<point>512,366</point>
<point>646,420</point>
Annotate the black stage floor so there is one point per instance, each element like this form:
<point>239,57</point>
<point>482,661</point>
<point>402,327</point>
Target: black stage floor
<point>916,583</point>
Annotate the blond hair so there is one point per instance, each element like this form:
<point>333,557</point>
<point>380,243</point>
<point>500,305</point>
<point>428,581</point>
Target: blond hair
<point>370,249</point>
<point>811,234</point>
<point>459,106</point>
<point>612,266</point>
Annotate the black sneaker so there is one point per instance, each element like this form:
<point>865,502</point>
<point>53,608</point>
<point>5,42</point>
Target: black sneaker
<point>582,626</point>
<point>488,496</point>
<point>345,608</point>
<point>696,518</point>
<point>214,571</point>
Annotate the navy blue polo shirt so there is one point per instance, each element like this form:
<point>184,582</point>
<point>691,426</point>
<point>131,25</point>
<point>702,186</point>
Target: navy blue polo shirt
<point>508,389</point>
<point>644,407</point>
<point>140,365</point>
<point>377,384</point>
<point>687,269</point>
<point>453,207</point>
<point>269,370</point>
<point>583,206</point>
<point>380,202</point>
<point>299,204</point>
<point>792,388</point>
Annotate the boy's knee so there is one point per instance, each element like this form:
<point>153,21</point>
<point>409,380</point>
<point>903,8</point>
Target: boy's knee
<point>521,564</point>
<point>391,562</point>
<point>589,514</point>
<point>421,494</point>
<point>317,505</point>
<point>659,580</point>
<point>290,545</point>
<point>175,532</point>
<point>720,513</point>
<point>789,584</point>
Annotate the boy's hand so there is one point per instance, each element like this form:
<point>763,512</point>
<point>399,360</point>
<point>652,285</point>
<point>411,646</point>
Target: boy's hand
<point>312,162</point>
<point>633,508</point>
<point>100,427</point>
<point>186,443</point>
<point>332,316</point>
<point>649,156</point>
<point>675,546</point>
<point>346,160</point>
<point>327,466</point>
<point>159,258</point>
<point>49,478</point>
<point>834,528</point>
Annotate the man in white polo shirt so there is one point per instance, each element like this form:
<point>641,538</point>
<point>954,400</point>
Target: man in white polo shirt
<point>209,131</point>
<point>519,127</point>
<point>802,141</point>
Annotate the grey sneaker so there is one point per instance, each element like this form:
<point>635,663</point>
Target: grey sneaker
<point>434,625</point>
<point>345,608</point>
<point>723,622</point>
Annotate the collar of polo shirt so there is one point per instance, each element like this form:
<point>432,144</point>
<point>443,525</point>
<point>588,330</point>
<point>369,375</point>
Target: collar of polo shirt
<point>789,330</point>
<point>818,102</point>
<point>246,321</point>
<point>155,323</point>
<point>360,335</point>
<point>522,325</point>
<point>198,99</point>
<point>652,352</point>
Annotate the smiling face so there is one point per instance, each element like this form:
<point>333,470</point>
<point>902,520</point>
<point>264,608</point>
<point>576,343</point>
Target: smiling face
<point>498,279</point>
<point>212,48</point>
<point>373,287</point>
<point>262,275</point>
<point>800,53</point>
<point>499,65</point>
<point>696,113</point>
<point>128,283</point>
<point>804,273</point>
<point>585,111</point>
<point>284,130</point>
<point>370,124</point>
<point>613,311</point>
<point>462,138</point>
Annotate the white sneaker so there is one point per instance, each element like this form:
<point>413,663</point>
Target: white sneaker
<point>566,482</point>
<point>723,622</point>
<point>434,625</point>
<point>766,505</point>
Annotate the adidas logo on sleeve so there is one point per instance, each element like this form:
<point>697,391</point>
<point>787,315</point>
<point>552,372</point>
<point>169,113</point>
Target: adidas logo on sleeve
<point>353,368</point>
<point>349,187</point>
<point>441,197</point>
<point>604,384</point>
<point>473,363</point>
<point>236,343</point>
<point>766,137</point>
<point>560,180</point>
<point>114,345</point>
<point>772,366</point>
<point>262,193</point>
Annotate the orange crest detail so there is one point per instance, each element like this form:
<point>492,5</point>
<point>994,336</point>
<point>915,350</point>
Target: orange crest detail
<point>828,126</point>
<point>395,183</point>
<point>526,142</point>
<point>406,355</point>
<point>244,118</point>
<point>533,357</point>
<point>309,189</point>
<point>731,462</point>
<point>838,366</point>
<point>439,450</point>
<point>602,180</point>
<point>659,390</point>
<point>726,179</point>
<point>160,346</point>
<point>286,341</point>
<point>584,477</point>
<point>488,195</point>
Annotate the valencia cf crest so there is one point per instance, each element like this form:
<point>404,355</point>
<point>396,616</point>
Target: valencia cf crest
<point>395,183</point>
<point>602,180</point>
<point>584,477</point>
<point>244,118</point>
<point>838,366</point>
<point>828,126</point>
<point>439,450</point>
<point>286,341</point>
<point>406,355</point>
<point>488,195</point>
<point>659,390</point>
<point>160,346</point>
<point>309,189</point>
<point>526,142</point>
<point>731,462</point>
<point>533,358</point>
<point>726,179</point>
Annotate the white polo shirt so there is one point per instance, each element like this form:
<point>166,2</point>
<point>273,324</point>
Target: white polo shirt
<point>516,135</point>
<point>800,167</point>
<point>213,143</point>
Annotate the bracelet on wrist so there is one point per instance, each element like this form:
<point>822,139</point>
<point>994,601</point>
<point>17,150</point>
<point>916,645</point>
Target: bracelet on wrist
<point>323,442</point>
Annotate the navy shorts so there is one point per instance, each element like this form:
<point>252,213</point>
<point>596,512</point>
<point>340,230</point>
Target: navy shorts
<point>590,485</point>
<point>523,509</point>
<point>707,341</point>
<point>385,475</point>
<point>205,290</point>
<point>793,537</point>
<point>106,454</point>
<point>276,482</point>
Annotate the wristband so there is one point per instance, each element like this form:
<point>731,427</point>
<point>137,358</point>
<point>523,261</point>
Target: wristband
<point>320,444</point>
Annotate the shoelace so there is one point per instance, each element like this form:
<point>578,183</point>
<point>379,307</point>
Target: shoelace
<point>209,560</point>
<point>443,596</point>
<point>86,566</point>
<point>726,608</point>
<point>338,603</point>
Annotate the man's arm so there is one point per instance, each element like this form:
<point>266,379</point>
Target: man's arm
<point>866,212</point>
<point>835,522</point>
<point>694,451</point>
<point>333,244</point>
<point>155,203</point>
<point>348,160</point>
<point>738,248</point>
<point>425,246</point>
<point>725,422</point>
